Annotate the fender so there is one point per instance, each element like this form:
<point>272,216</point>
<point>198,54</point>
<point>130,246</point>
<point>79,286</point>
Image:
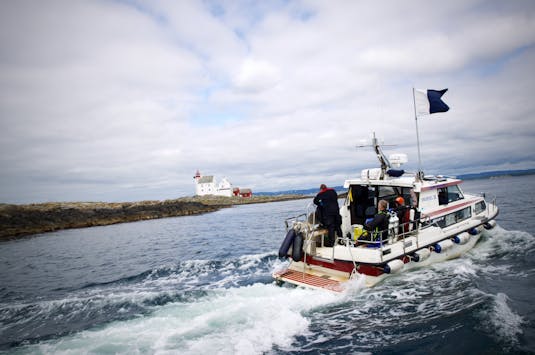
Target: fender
<point>297,248</point>
<point>285,246</point>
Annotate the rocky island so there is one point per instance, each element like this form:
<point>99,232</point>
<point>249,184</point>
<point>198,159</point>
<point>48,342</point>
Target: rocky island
<point>22,220</point>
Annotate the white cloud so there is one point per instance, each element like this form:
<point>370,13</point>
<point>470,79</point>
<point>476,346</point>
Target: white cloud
<point>256,75</point>
<point>124,101</point>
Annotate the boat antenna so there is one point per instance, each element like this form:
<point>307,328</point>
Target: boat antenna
<point>385,163</point>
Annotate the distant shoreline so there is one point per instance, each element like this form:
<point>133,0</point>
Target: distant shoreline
<point>22,220</point>
<point>490,174</point>
<point>472,176</point>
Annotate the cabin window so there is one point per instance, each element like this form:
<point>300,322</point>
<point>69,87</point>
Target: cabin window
<point>448,220</point>
<point>386,192</point>
<point>363,200</point>
<point>463,214</point>
<point>480,207</point>
<point>454,193</point>
<point>389,194</point>
<point>449,194</point>
<point>454,217</point>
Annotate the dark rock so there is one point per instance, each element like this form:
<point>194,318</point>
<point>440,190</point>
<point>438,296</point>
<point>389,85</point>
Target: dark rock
<point>22,220</point>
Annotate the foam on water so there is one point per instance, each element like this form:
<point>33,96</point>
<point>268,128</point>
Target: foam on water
<point>411,306</point>
<point>229,305</point>
<point>505,244</point>
<point>394,312</point>
<point>244,320</point>
<point>501,322</point>
<point>127,297</point>
<point>355,285</point>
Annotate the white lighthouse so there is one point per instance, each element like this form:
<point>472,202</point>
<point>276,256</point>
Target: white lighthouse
<point>206,185</point>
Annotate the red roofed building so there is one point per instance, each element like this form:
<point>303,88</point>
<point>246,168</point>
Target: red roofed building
<point>246,193</point>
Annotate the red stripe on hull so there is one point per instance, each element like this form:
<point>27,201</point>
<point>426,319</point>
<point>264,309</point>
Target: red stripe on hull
<point>339,265</point>
<point>450,208</point>
<point>346,266</point>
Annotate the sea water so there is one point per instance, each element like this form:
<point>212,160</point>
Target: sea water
<point>202,284</point>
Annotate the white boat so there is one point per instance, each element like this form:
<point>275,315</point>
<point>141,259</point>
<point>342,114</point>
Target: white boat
<point>450,223</point>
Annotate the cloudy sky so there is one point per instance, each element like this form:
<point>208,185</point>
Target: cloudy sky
<point>125,100</point>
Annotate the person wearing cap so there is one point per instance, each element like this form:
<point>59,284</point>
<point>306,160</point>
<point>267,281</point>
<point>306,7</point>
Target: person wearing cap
<point>329,213</point>
<point>403,213</point>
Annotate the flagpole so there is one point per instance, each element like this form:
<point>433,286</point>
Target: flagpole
<point>420,172</point>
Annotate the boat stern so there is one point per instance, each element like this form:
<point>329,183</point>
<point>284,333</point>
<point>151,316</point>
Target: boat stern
<point>311,276</point>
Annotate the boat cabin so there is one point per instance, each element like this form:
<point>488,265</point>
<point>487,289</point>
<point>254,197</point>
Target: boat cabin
<point>363,199</point>
<point>440,200</point>
<point>439,192</point>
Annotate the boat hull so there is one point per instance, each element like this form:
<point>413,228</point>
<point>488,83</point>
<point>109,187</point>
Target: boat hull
<point>334,275</point>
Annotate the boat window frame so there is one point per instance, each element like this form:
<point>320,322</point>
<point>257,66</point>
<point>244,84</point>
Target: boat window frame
<point>387,193</point>
<point>454,195</point>
<point>480,207</point>
<point>449,194</point>
<point>453,217</point>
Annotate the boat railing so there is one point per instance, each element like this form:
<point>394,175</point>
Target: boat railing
<point>306,223</point>
<point>409,229</point>
<point>311,212</point>
<point>309,216</point>
<point>492,207</point>
<point>348,242</point>
<point>291,221</point>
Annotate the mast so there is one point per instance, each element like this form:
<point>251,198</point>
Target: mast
<point>385,163</point>
<point>420,174</point>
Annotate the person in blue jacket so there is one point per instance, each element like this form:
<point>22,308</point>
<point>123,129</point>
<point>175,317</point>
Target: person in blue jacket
<point>329,213</point>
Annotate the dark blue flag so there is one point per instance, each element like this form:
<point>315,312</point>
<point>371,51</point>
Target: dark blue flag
<point>429,101</point>
<point>435,102</point>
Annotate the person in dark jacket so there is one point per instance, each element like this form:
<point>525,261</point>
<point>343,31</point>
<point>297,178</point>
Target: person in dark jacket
<point>403,213</point>
<point>378,227</point>
<point>329,212</point>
